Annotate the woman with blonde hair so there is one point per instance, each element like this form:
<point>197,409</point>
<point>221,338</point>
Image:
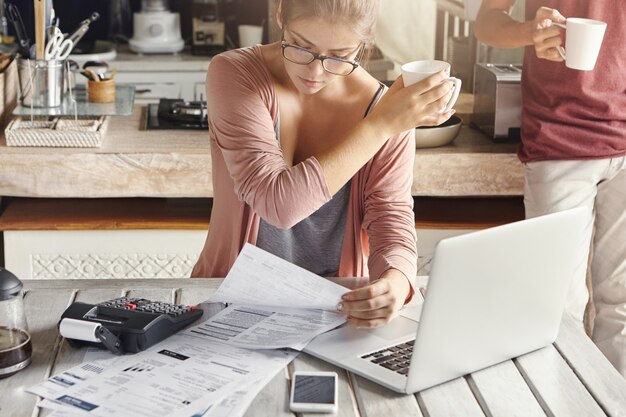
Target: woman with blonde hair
<point>313,157</point>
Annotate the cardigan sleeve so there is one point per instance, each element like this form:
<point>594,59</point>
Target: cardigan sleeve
<point>388,208</point>
<point>241,126</point>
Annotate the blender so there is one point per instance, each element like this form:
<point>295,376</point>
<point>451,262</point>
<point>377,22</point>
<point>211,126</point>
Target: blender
<point>156,29</point>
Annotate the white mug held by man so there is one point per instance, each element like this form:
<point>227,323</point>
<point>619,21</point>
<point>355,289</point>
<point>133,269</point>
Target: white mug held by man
<point>583,38</point>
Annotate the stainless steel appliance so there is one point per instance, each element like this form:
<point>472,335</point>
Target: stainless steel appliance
<point>208,28</point>
<point>497,100</point>
<point>177,114</point>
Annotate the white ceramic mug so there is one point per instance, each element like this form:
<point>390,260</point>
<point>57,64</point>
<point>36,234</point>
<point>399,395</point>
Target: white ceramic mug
<point>583,39</point>
<point>416,71</point>
<point>250,35</point>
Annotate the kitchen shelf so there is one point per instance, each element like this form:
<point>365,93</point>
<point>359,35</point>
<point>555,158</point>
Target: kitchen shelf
<point>123,105</point>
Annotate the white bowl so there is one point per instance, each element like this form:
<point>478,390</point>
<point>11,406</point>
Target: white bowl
<point>433,136</point>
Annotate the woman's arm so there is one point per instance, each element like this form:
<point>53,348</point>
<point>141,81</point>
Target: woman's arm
<point>242,126</point>
<point>390,225</point>
<point>400,109</point>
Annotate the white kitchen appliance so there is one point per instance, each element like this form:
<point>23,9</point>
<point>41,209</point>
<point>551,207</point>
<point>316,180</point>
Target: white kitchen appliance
<point>156,29</point>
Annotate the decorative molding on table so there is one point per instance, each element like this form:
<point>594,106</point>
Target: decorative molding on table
<point>104,266</point>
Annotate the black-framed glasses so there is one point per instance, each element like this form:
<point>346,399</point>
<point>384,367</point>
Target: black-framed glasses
<point>336,66</point>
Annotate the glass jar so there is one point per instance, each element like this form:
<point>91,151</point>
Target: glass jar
<point>15,345</point>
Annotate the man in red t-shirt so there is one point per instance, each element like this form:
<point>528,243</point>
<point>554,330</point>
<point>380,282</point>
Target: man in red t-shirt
<point>574,144</point>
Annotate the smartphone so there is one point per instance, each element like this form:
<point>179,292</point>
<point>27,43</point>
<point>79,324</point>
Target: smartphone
<point>313,392</point>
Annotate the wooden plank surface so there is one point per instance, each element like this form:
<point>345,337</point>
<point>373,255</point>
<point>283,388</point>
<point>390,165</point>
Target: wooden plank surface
<point>273,400</point>
<point>43,309</point>
<point>601,379</point>
<point>452,399</point>
<point>105,214</point>
<point>466,212</point>
<point>373,400</point>
<point>556,386</point>
<point>516,400</point>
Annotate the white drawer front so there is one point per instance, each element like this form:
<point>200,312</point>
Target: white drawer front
<point>98,254</point>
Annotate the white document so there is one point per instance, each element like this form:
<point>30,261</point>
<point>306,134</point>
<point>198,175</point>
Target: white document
<point>238,402</point>
<point>259,327</point>
<point>177,377</point>
<point>260,278</point>
<point>235,405</point>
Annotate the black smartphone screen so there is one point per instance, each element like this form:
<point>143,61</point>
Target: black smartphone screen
<point>314,389</point>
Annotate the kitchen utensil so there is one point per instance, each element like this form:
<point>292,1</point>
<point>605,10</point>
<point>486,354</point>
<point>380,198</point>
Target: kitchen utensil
<point>40,28</point>
<point>15,344</point>
<point>90,75</point>
<point>101,91</point>
<point>83,28</point>
<point>58,47</point>
<point>14,16</point>
<point>41,82</point>
<point>433,136</point>
<point>98,67</point>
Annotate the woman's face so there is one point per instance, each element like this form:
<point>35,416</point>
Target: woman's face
<point>321,37</point>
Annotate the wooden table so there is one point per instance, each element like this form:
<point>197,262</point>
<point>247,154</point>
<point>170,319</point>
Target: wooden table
<point>569,378</point>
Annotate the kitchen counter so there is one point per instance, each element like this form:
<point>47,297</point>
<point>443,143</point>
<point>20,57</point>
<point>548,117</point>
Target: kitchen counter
<point>134,162</point>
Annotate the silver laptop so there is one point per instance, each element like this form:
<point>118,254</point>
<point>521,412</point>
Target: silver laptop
<point>492,295</point>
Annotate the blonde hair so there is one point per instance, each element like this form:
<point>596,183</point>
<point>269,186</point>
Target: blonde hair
<point>360,15</point>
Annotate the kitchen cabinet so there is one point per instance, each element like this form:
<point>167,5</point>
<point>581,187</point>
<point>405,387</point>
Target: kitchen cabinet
<point>103,238</point>
<point>161,75</point>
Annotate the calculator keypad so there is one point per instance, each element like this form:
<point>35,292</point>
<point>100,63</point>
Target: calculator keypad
<point>148,306</point>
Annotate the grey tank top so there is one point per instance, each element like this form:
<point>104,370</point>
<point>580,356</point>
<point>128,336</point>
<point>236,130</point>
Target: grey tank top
<point>315,242</point>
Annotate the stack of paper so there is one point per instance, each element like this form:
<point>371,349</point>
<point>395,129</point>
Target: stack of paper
<point>217,367</point>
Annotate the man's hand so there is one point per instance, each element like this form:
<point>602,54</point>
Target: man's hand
<point>377,303</point>
<point>547,36</point>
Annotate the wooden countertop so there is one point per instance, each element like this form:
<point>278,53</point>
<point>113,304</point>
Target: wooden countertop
<point>134,162</point>
<point>567,378</point>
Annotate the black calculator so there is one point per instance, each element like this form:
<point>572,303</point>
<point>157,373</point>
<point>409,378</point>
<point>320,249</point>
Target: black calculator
<point>131,324</point>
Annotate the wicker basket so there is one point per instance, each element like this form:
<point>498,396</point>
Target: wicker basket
<point>66,132</point>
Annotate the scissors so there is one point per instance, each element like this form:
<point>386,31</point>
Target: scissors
<point>58,48</point>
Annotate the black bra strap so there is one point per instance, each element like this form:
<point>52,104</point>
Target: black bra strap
<point>377,96</point>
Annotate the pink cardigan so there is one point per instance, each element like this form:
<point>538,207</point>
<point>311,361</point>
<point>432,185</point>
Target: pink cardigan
<point>252,180</point>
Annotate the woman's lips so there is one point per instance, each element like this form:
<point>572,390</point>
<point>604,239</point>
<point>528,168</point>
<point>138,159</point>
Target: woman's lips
<point>310,83</point>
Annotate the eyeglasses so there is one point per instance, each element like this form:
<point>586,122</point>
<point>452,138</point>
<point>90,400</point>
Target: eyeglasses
<point>336,66</point>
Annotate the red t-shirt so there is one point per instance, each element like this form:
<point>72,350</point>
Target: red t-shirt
<point>571,114</point>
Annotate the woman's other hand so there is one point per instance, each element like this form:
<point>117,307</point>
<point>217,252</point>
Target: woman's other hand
<point>403,108</point>
<point>377,303</point>
<point>547,36</point>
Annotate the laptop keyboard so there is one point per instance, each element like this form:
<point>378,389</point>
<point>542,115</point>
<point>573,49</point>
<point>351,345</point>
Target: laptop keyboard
<point>396,358</point>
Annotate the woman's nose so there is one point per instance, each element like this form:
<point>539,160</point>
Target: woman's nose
<point>316,67</point>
